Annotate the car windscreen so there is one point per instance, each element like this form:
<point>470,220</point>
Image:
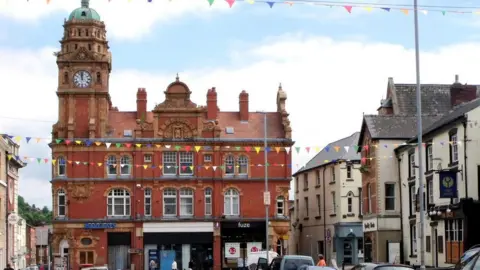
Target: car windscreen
<point>393,267</point>
<point>294,264</point>
<point>466,257</point>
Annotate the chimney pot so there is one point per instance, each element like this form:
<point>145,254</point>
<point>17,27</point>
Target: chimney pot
<point>212,107</point>
<point>141,103</point>
<point>243,102</point>
<point>456,79</point>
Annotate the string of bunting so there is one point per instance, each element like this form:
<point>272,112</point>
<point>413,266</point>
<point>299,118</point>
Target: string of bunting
<point>197,148</point>
<point>405,9</point>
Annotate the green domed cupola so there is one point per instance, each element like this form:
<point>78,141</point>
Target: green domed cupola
<point>84,12</point>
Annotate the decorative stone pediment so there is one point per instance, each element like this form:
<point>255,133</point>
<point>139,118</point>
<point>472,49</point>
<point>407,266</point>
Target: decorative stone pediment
<point>80,191</point>
<point>177,128</point>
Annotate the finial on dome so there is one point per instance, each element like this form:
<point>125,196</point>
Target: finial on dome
<point>177,78</point>
<point>85,3</point>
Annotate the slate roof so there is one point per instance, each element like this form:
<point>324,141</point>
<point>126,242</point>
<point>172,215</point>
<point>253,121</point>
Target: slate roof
<point>395,126</point>
<point>435,98</point>
<point>319,159</point>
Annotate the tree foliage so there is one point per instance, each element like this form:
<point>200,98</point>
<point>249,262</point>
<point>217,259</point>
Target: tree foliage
<point>33,215</point>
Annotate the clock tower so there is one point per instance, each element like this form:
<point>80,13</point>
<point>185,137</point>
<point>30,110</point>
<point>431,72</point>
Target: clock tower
<point>84,65</point>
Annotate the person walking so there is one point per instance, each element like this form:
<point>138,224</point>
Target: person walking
<point>174,265</point>
<point>9,267</point>
<point>321,260</point>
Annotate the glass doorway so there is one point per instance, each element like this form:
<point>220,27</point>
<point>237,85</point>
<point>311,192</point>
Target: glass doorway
<point>347,251</point>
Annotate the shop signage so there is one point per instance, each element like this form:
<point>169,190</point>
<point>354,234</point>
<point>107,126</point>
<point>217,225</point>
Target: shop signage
<point>12,218</point>
<point>254,247</point>
<point>448,184</point>
<point>232,250</point>
<point>243,225</point>
<point>369,225</point>
<point>329,235</point>
<point>100,225</point>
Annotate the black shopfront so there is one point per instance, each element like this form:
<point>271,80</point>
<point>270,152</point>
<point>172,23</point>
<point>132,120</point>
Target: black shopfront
<point>163,248</point>
<point>240,233</point>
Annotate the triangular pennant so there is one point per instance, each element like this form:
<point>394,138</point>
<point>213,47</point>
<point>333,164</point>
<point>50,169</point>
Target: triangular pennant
<point>197,148</point>
<point>145,167</point>
<point>230,2</point>
<point>247,148</point>
<point>139,145</point>
<point>88,143</point>
<point>327,148</point>
<point>297,149</point>
<point>270,4</point>
<point>307,149</point>
<point>99,164</point>
<point>404,11</point>
<point>277,149</point>
<point>346,148</point>
<point>128,145</point>
<point>386,9</point>
<point>168,146</point>
<point>118,145</point>
<point>108,144</point>
<point>206,167</point>
<point>348,8</point>
<point>9,157</point>
<point>54,161</point>
<point>77,162</point>
<point>214,168</point>
<point>177,147</point>
<point>257,149</point>
<point>57,141</point>
<point>67,142</point>
<point>287,149</point>
<point>158,145</point>
<point>337,148</point>
<point>356,147</point>
<point>78,142</point>
<point>187,148</point>
<point>210,2</point>
<point>28,139</point>
<point>191,167</point>
<point>98,143</point>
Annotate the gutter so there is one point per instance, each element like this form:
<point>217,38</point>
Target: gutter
<point>6,208</point>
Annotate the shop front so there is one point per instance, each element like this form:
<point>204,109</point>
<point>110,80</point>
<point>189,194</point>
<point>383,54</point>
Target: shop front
<point>382,239</point>
<point>348,241</point>
<point>181,242</point>
<point>239,238</point>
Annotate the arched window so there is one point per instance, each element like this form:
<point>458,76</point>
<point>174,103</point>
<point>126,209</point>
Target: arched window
<point>230,165</point>
<point>61,166</point>
<point>125,165</point>
<point>208,202</point>
<point>148,202</point>
<point>369,200</point>
<point>231,202</point>
<point>111,165</point>
<point>169,202</point>
<point>243,165</point>
<point>350,202</point>
<point>186,202</point>
<point>280,206</point>
<point>61,203</point>
<point>65,74</point>
<point>118,203</point>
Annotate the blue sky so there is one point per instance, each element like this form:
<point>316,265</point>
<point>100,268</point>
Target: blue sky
<point>327,59</point>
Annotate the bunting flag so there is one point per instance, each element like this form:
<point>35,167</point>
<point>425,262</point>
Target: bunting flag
<point>198,148</point>
<point>350,8</point>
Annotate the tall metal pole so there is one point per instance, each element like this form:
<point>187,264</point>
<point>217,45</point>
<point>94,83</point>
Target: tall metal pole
<point>266,182</point>
<point>420,140</point>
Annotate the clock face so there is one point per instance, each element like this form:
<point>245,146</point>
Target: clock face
<point>82,79</point>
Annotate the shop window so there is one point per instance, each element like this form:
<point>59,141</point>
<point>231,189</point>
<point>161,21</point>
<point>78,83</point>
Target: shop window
<point>61,166</point>
<point>229,165</point>
<point>453,239</point>
<point>118,203</point>
<point>86,257</point>
<point>281,206</point>
<point>148,202</point>
<point>125,165</point>
<point>208,202</point>
<point>111,165</point>
<point>186,202</point>
<point>169,202</point>
<point>61,202</point>
<point>231,202</point>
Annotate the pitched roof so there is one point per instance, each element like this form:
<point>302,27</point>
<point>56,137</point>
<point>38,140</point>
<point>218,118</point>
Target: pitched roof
<point>329,153</point>
<point>394,126</point>
<point>435,98</point>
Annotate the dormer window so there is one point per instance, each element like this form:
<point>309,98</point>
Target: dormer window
<point>84,14</point>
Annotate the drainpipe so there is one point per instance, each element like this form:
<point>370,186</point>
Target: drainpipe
<point>401,206</point>
<point>324,218</point>
<point>6,209</point>
<point>465,155</point>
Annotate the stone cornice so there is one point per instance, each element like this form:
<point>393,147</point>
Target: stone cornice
<point>168,178</point>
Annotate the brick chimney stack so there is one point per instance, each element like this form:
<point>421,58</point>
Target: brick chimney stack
<point>243,101</point>
<point>141,104</point>
<point>460,93</point>
<point>212,107</point>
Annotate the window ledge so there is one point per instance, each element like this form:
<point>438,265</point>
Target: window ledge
<point>306,218</point>
<point>453,164</point>
<point>333,215</point>
<point>349,179</point>
<point>428,172</point>
<point>296,191</point>
<point>305,189</point>
<point>412,256</point>
<point>331,183</point>
<point>412,216</point>
<point>350,214</point>
<point>318,217</point>
<point>317,186</point>
<point>411,177</point>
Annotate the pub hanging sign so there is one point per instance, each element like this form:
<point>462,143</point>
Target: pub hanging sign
<point>448,184</point>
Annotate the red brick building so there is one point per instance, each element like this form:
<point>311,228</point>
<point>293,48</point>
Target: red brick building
<point>31,245</point>
<point>181,181</point>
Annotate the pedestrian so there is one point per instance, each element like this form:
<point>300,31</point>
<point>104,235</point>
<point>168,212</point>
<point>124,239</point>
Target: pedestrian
<point>321,260</point>
<point>174,265</point>
<point>9,267</point>
<point>190,265</point>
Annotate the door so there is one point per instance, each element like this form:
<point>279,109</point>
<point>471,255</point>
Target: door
<point>166,259</point>
<point>348,251</point>
<point>368,250</point>
<point>118,257</point>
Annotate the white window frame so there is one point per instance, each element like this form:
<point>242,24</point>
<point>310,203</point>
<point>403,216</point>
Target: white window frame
<point>429,157</point>
<point>207,158</point>
<point>334,202</point>
<point>454,142</point>
<point>186,160</point>
<point>147,158</point>
<point>390,197</point>
<point>413,238</point>
<point>242,165</point>
<point>208,201</point>
<point>350,202</point>
<point>148,202</point>
<point>411,164</point>
<point>170,193</point>
<point>229,165</point>
<point>349,171</point>
<point>112,165</point>
<point>430,191</point>
<point>60,206</point>
<point>186,199</point>
<point>454,230</point>
<point>229,197</point>
<point>281,206</point>
<point>61,166</point>
<point>169,159</point>
<point>125,165</point>
<point>123,195</point>
<point>413,203</point>
<point>369,198</point>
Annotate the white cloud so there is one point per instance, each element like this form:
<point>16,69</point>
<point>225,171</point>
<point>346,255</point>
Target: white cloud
<point>329,84</point>
<point>126,19</point>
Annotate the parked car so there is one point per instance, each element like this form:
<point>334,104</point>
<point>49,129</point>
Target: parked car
<point>253,257</point>
<point>381,266</point>
<point>287,262</point>
<point>469,259</point>
<point>309,267</point>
